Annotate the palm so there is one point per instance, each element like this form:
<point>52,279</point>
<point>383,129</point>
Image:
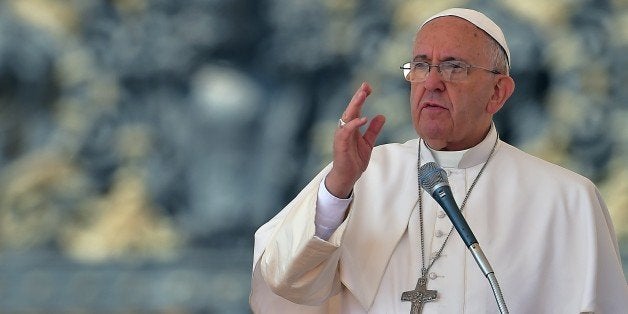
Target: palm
<point>363,152</point>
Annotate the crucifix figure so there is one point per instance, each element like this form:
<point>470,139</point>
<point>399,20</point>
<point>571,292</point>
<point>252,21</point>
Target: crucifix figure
<point>419,296</point>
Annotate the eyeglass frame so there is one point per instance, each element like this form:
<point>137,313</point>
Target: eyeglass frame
<point>408,67</point>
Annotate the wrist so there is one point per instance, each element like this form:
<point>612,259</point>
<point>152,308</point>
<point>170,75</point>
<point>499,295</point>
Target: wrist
<point>337,188</point>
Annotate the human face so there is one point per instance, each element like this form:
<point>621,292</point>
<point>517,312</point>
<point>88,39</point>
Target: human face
<point>453,115</point>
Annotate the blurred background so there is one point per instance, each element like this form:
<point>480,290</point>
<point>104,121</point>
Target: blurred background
<point>142,142</point>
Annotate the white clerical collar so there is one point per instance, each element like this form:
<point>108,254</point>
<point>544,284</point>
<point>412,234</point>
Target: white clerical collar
<point>463,158</point>
<point>448,159</point>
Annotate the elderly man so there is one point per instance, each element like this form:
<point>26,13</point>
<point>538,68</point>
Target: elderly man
<point>362,236</point>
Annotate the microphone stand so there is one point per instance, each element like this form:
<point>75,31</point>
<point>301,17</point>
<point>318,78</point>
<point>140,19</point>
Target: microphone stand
<point>443,196</point>
<point>488,272</point>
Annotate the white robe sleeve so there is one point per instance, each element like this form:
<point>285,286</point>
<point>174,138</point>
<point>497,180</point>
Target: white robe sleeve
<point>605,290</point>
<point>292,267</point>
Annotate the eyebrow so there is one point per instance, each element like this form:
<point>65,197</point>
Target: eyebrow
<point>424,58</point>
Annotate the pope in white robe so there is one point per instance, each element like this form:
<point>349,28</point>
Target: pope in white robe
<point>545,230</point>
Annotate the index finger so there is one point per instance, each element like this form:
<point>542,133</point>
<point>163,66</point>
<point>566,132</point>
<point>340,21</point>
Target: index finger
<point>354,108</point>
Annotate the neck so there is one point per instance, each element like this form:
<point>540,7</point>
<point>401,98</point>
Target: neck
<point>463,158</point>
<point>444,145</point>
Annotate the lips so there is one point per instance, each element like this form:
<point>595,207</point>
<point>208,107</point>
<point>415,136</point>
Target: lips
<point>432,106</point>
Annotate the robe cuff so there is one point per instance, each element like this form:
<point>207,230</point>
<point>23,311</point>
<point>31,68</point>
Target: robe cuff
<point>330,212</point>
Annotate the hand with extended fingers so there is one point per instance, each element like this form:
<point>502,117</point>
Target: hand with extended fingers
<point>352,150</point>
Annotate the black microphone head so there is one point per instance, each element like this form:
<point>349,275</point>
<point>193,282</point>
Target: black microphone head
<point>431,176</point>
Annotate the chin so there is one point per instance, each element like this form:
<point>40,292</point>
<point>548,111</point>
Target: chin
<point>432,131</point>
<point>435,136</point>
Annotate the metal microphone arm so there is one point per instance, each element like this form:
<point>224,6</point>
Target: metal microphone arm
<point>488,272</point>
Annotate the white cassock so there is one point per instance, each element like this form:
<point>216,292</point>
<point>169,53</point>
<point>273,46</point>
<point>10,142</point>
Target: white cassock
<point>545,230</point>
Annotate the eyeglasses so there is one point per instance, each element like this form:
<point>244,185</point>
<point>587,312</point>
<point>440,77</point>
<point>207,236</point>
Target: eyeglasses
<point>451,71</point>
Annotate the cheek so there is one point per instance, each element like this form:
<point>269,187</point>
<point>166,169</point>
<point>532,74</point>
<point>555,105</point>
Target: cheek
<point>415,97</point>
<point>413,93</point>
<point>416,92</point>
<point>468,112</point>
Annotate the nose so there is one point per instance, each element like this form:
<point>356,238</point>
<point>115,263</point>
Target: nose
<point>434,80</point>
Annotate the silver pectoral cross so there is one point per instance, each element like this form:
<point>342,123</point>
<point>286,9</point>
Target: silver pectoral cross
<point>419,296</point>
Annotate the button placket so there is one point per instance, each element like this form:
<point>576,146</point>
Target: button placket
<point>441,228</point>
<point>442,224</point>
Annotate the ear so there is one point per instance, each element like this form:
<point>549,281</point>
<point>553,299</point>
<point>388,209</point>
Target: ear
<point>503,88</point>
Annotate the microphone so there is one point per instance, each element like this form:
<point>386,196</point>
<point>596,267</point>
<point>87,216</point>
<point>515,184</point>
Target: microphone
<point>433,179</point>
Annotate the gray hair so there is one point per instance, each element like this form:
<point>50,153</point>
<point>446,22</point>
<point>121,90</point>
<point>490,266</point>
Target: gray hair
<point>497,55</point>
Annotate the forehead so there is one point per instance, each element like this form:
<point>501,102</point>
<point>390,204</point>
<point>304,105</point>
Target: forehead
<point>451,37</point>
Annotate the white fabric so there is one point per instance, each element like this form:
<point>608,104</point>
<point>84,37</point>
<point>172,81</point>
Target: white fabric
<point>545,230</point>
<point>449,159</point>
<point>330,212</point>
<point>478,19</point>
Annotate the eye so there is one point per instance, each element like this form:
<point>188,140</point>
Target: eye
<point>454,66</point>
<point>422,66</point>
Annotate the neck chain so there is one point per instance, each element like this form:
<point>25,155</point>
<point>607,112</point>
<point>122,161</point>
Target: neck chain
<point>420,294</point>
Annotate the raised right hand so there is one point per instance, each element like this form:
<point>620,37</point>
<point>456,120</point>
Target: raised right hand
<point>352,150</point>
